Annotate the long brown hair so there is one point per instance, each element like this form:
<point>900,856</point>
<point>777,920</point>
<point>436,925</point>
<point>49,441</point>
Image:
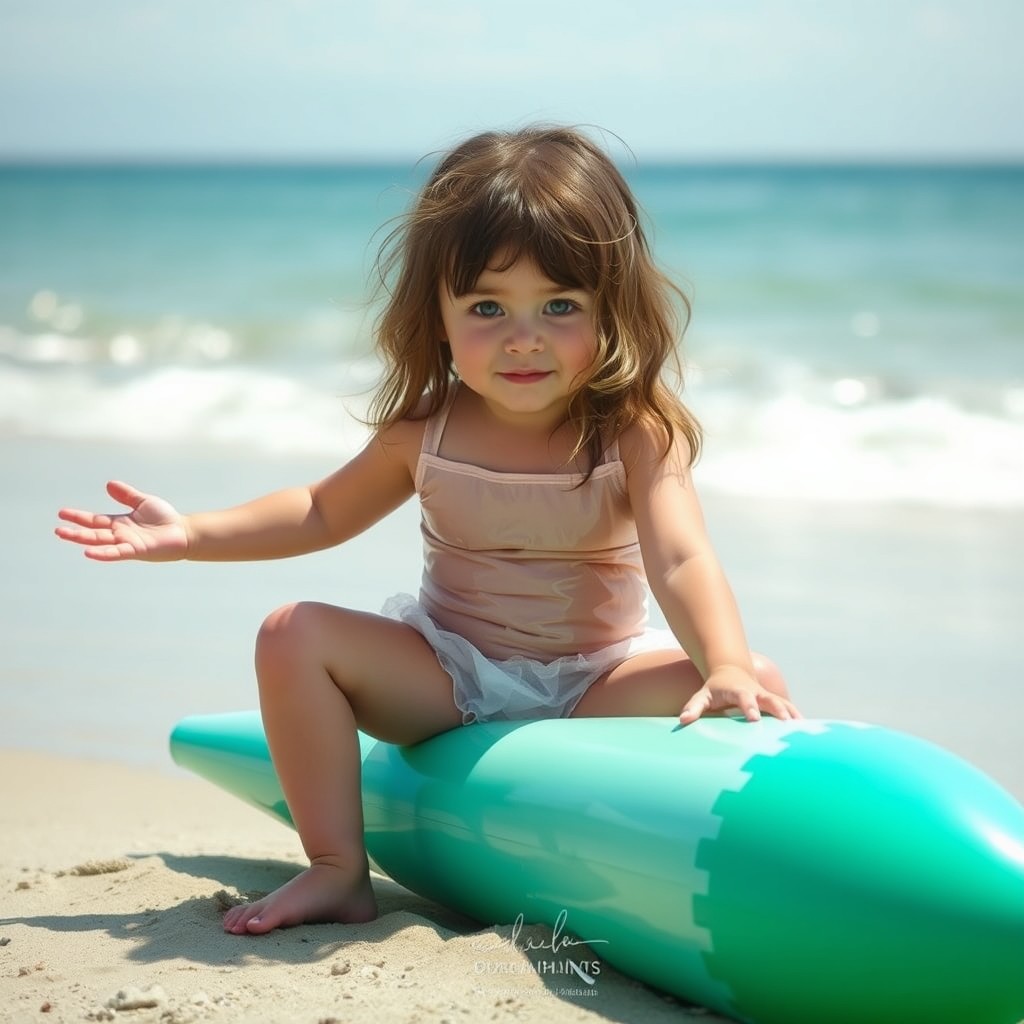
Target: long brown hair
<point>552,195</point>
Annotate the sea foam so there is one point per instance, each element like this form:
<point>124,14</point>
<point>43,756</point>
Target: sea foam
<point>792,437</point>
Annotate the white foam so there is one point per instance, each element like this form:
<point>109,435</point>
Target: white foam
<point>923,449</point>
<point>788,434</point>
<point>258,409</point>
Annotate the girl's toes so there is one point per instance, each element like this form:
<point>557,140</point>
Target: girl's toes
<point>237,919</point>
<point>257,925</point>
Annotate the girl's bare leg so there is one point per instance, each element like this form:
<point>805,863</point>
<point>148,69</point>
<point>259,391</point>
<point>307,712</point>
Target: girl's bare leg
<point>658,683</point>
<point>323,672</point>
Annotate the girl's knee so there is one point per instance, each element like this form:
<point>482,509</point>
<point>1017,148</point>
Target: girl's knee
<point>769,675</point>
<point>284,632</point>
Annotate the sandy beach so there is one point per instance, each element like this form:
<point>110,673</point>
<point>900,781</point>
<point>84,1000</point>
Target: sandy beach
<point>115,866</point>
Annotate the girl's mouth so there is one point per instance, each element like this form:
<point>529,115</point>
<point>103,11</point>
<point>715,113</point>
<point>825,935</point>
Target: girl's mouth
<point>524,376</point>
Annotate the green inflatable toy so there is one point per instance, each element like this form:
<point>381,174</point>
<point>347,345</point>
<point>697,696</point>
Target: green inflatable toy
<point>801,872</point>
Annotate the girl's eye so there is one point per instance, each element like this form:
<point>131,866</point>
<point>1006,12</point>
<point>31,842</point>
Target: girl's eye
<point>561,307</point>
<point>488,308</point>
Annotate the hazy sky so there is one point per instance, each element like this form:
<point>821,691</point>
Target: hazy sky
<point>700,79</point>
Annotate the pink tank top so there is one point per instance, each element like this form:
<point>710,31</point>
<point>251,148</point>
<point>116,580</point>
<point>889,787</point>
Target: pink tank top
<point>529,564</point>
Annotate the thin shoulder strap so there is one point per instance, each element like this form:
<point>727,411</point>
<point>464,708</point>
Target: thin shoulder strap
<point>434,430</point>
<point>611,453</point>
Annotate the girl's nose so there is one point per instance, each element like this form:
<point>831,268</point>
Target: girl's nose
<point>524,336</point>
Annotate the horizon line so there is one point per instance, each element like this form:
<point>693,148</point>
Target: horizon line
<point>257,160</point>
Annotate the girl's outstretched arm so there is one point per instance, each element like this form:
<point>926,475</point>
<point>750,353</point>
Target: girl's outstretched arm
<point>688,581</point>
<point>288,522</point>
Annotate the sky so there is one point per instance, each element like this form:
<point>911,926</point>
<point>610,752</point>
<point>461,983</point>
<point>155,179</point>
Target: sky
<point>700,80</point>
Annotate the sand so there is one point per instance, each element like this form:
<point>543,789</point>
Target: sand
<point>113,880</point>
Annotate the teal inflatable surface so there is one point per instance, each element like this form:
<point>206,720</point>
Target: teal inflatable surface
<point>807,872</point>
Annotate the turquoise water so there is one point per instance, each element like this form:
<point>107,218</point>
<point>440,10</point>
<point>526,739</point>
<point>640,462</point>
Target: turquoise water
<point>857,332</point>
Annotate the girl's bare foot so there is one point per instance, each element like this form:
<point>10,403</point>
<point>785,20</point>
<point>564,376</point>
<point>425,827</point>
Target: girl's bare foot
<point>328,890</point>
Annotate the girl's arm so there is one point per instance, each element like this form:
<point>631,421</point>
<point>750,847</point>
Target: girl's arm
<point>288,522</point>
<point>687,579</point>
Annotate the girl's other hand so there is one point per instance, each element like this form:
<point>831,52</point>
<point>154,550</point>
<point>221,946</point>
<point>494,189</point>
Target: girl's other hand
<point>733,688</point>
<point>152,531</point>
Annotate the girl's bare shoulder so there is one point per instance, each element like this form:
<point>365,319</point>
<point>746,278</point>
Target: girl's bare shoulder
<point>403,439</point>
<point>646,443</point>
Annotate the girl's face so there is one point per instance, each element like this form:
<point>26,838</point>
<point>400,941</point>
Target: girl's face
<point>520,341</point>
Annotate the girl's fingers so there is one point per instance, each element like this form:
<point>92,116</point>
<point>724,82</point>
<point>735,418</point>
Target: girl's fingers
<point>77,516</point>
<point>775,706</point>
<point>783,708</point>
<point>110,552</point>
<point>125,493</point>
<point>87,521</point>
<point>100,544</point>
<point>750,705</point>
<point>771,704</point>
<point>91,522</point>
<point>695,707</point>
<point>71,533</point>
<point>751,710</point>
<point>80,537</point>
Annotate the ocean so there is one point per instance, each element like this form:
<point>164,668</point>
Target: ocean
<point>857,332</point>
<point>856,355</point>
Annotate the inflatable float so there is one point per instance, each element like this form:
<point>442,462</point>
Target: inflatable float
<point>778,872</point>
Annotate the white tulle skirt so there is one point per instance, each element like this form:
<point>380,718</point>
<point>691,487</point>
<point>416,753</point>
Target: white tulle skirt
<point>489,690</point>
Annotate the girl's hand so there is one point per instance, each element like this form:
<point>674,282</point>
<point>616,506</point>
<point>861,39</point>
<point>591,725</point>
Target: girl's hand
<point>734,688</point>
<point>152,531</point>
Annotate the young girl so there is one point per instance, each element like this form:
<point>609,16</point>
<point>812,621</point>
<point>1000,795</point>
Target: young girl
<point>524,337</point>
